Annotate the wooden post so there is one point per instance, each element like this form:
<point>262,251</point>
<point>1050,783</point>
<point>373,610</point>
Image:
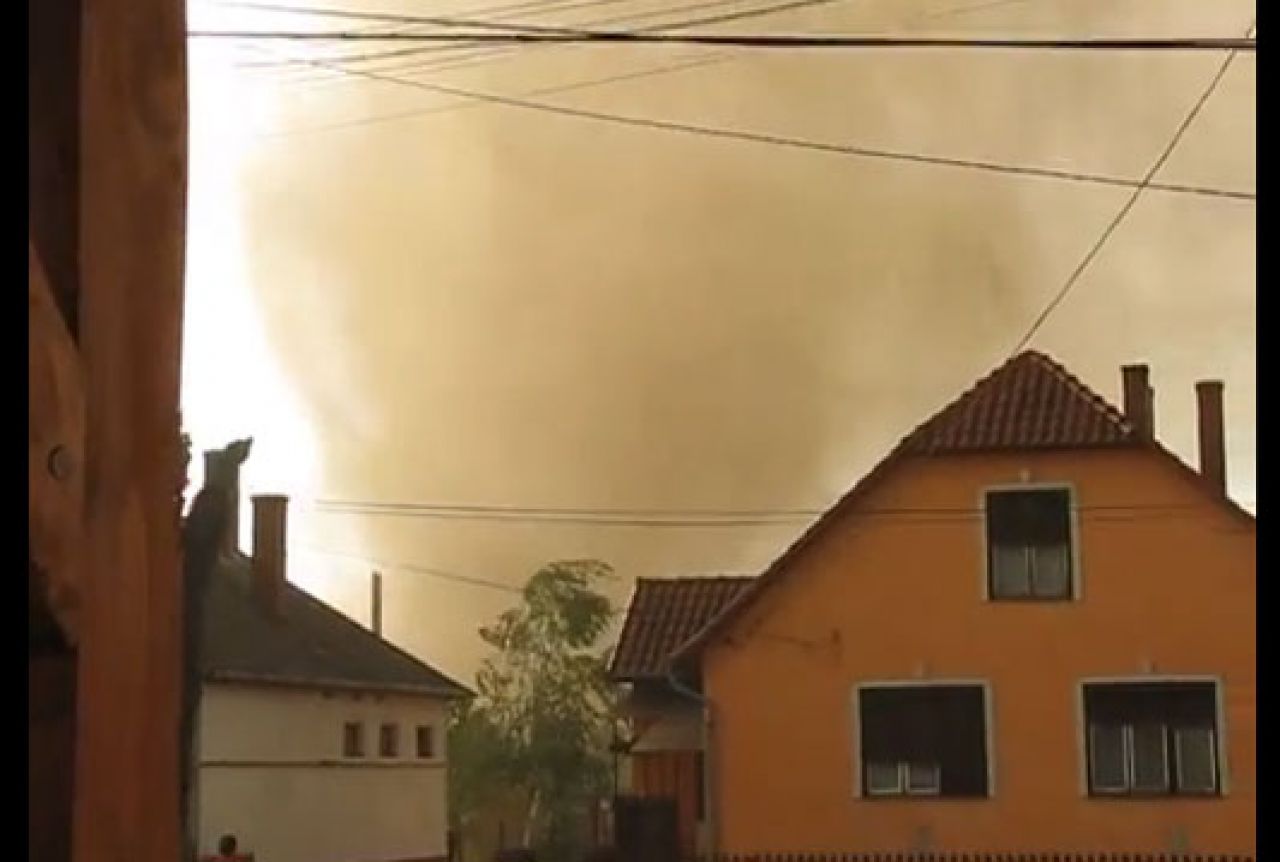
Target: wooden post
<point>132,172</point>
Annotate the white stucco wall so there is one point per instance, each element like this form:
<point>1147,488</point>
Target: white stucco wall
<point>677,727</point>
<point>272,773</point>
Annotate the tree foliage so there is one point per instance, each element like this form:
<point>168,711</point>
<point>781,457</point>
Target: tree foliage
<point>539,729</point>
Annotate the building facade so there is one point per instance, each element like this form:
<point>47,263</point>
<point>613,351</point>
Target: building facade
<point>1029,628</point>
<point>317,739</point>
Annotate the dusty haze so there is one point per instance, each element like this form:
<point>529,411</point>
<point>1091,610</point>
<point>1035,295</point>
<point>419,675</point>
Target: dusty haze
<point>498,306</point>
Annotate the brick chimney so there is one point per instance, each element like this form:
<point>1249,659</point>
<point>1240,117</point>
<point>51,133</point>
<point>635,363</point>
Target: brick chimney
<point>222,473</point>
<point>222,477</point>
<point>1139,400</point>
<point>1213,448</point>
<point>269,514</point>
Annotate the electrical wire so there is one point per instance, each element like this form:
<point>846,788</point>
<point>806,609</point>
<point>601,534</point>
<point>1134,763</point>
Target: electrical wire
<point>519,34</point>
<point>1147,182</point>
<point>786,141</point>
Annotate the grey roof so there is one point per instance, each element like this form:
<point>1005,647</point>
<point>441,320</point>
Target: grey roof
<point>310,644</point>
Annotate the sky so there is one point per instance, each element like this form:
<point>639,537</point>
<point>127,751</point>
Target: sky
<point>406,295</point>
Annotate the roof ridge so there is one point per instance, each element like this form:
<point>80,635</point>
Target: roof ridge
<point>1101,404</point>
<point>986,426</point>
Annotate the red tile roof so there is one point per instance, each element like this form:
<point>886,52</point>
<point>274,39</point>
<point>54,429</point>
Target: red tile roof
<point>664,613</point>
<point>1030,402</point>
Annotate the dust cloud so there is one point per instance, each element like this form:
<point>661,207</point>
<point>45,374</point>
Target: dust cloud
<point>501,306</point>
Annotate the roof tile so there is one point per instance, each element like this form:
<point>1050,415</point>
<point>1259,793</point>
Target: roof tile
<point>664,613</point>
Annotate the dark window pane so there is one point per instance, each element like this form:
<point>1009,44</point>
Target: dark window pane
<point>1029,543</point>
<point>1170,735</point>
<point>1107,759</point>
<point>1150,758</point>
<point>388,740</point>
<point>941,726</point>
<point>352,740</point>
<point>1197,762</point>
<point>1040,517</point>
<point>426,741</point>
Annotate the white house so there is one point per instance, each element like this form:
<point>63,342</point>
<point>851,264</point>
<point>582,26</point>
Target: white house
<point>317,740</point>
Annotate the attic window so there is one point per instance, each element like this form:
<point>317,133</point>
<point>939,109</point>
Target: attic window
<point>1029,554</point>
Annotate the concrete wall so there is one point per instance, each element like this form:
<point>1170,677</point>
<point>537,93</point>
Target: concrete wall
<point>896,597</point>
<point>273,774</point>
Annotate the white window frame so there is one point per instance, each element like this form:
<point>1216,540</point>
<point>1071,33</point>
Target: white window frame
<point>988,722</point>
<point>1220,729</point>
<point>1076,591</point>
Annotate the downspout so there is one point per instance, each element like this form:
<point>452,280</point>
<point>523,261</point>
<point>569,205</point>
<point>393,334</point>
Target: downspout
<point>710,808</point>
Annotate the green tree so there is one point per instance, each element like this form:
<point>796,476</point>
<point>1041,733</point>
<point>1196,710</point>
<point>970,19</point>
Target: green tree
<point>539,729</point>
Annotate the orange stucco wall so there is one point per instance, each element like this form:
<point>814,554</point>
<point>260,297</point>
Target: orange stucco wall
<point>895,597</point>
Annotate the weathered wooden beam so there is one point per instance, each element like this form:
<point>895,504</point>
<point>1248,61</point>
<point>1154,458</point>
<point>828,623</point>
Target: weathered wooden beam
<point>132,222</point>
<point>55,453</point>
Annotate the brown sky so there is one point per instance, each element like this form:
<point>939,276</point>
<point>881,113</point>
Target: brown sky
<point>498,306</point>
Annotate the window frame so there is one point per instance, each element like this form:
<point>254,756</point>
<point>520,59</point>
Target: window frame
<point>1075,591</point>
<point>1221,763</point>
<point>393,736</point>
<point>989,739</point>
<point>359,752</point>
<point>417,742</point>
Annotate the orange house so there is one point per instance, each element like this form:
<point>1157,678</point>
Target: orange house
<point>1029,628</point>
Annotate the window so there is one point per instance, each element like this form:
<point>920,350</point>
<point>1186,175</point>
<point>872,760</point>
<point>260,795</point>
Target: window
<point>388,740</point>
<point>426,741</point>
<point>1152,739</point>
<point>352,739</point>
<point>1029,544</point>
<point>923,740</point>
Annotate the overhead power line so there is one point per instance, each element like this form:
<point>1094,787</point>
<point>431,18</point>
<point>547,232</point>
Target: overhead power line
<point>628,18</point>
<point>715,518</point>
<point>423,570</point>
<point>518,27</point>
<point>527,33</point>
<point>440,574</point>
<point>1147,182</point>
<point>782,140</point>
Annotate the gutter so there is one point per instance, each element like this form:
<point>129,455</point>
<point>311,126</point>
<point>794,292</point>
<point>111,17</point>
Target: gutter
<point>710,808</point>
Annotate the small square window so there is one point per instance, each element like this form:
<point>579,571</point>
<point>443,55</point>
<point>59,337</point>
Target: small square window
<point>388,740</point>
<point>426,741</point>
<point>1029,544</point>
<point>353,739</point>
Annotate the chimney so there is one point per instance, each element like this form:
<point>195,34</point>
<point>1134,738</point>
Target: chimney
<point>220,472</point>
<point>1139,400</point>
<point>377,603</point>
<point>1213,448</point>
<point>269,511</point>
